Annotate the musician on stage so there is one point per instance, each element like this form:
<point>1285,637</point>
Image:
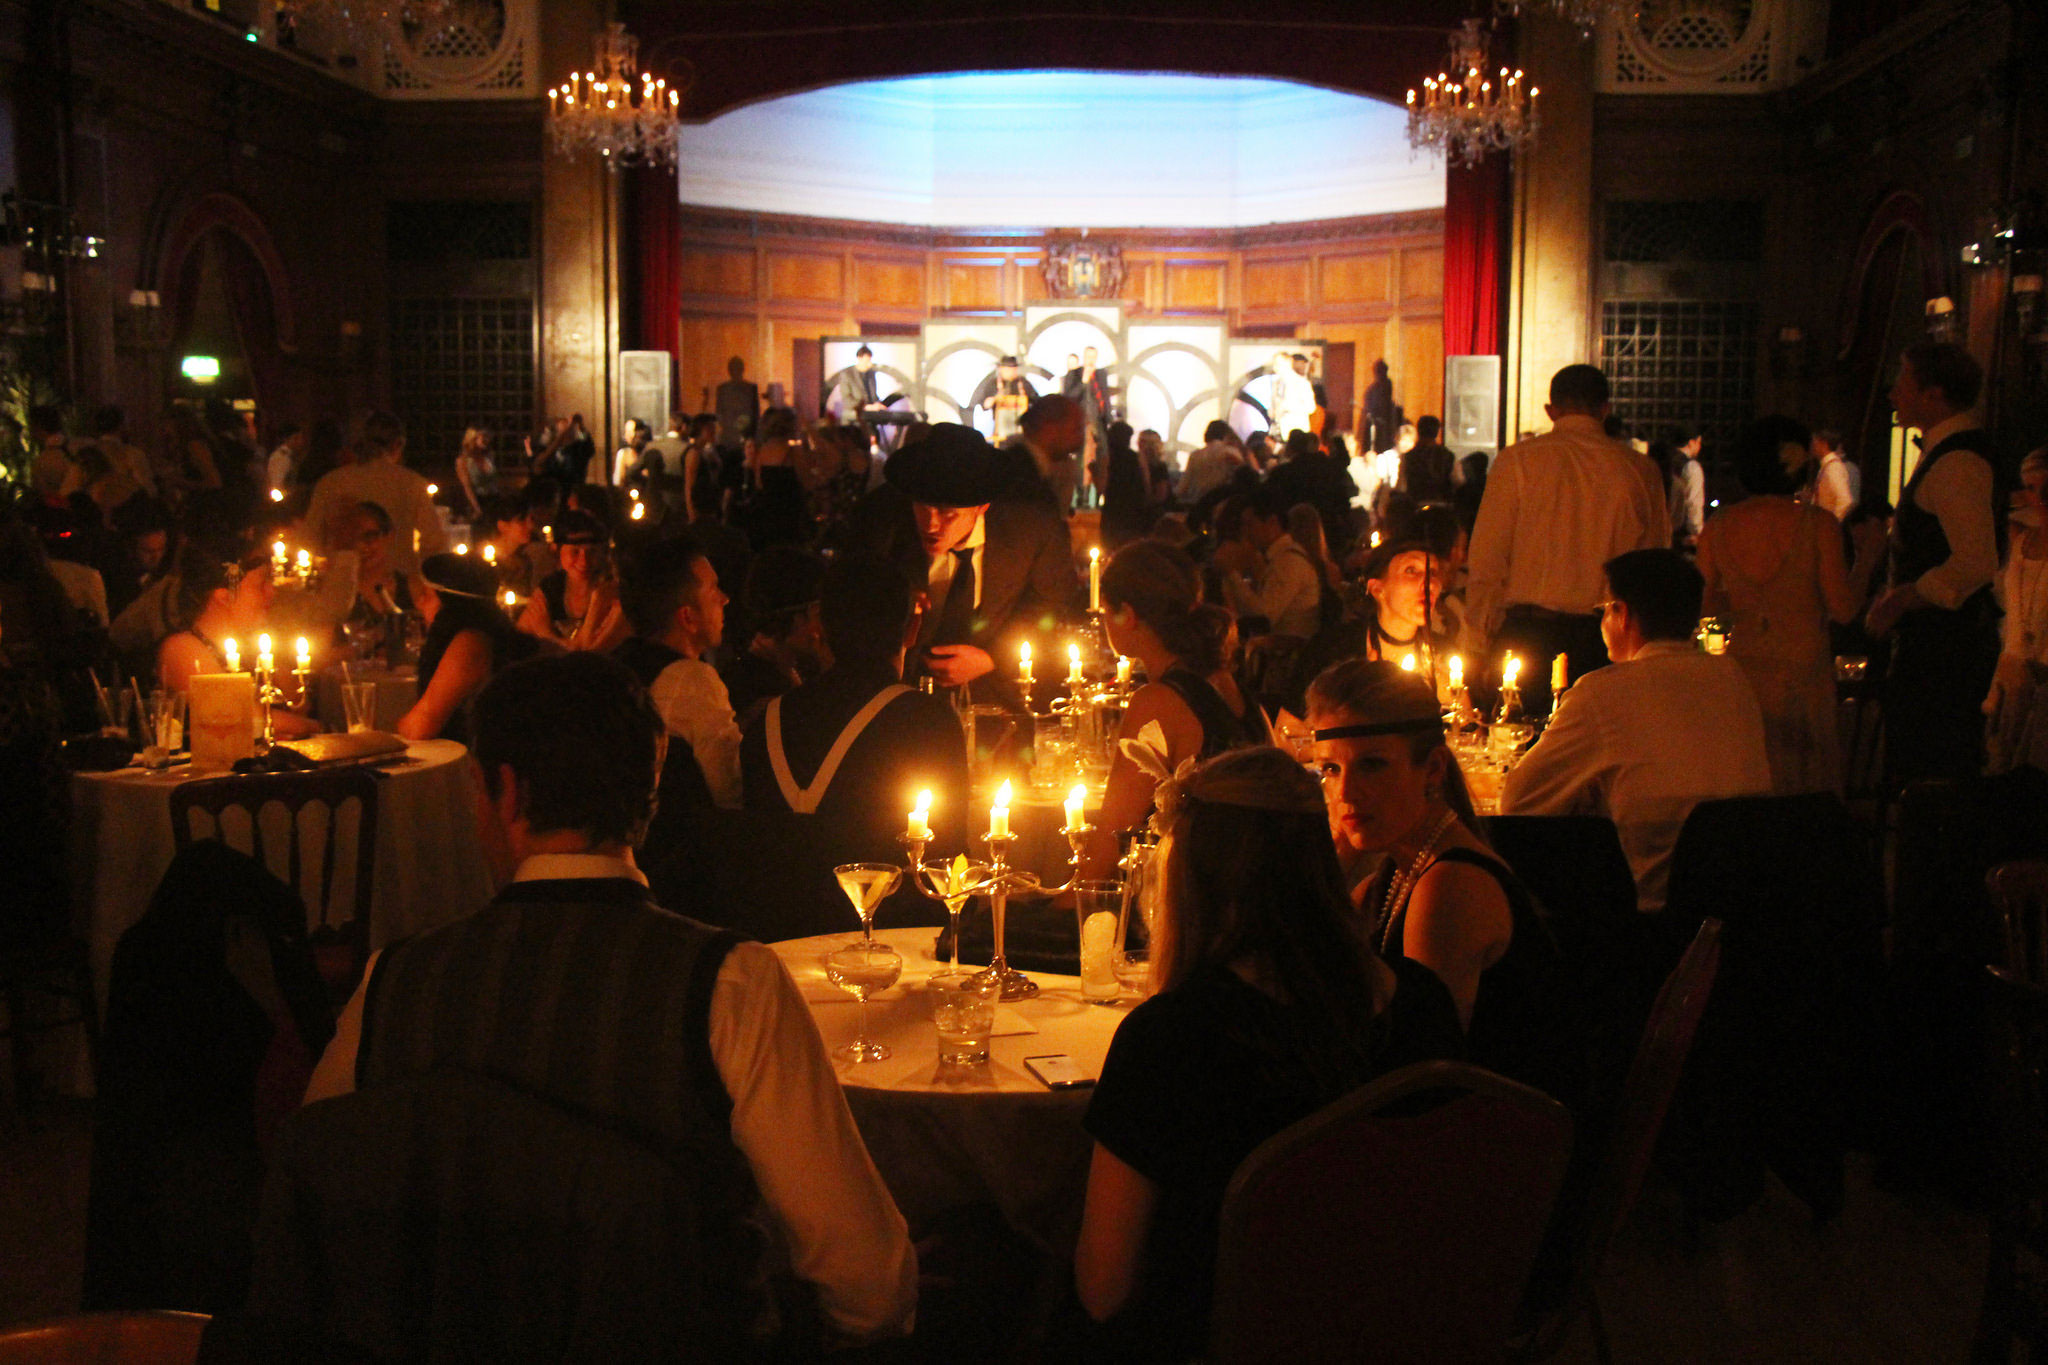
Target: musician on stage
<point>1006,394</point>
<point>853,388</point>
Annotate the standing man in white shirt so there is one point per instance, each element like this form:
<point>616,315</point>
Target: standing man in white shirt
<point>1293,398</point>
<point>1836,486</point>
<point>1558,506</point>
<point>575,956</point>
<point>1945,551</point>
<point>380,476</point>
<point>1646,740</point>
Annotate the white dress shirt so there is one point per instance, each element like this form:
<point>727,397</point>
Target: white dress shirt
<point>1208,469</point>
<point>845,1234</point>
<point>1289,594</point>
<point>1832,490</point>
<point>1642,743</point>
<point>1958,492</point>
<point>398,490</point>
<point>1294,400</point>
<point>1557,507</point>
<point>939,573</point>
<point>695,706</point>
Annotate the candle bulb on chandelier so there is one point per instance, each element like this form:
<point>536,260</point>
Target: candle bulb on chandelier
<point>1076,799</point>
<point>1457,668</point>
<point>232,653</point>
<point>1074,665</point>
<point>1024,663</point>
<point>999,814</point>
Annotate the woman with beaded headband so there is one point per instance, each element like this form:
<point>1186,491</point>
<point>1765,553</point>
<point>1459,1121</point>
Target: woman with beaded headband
<point>1270,1004</point>
<point>1432,891</point>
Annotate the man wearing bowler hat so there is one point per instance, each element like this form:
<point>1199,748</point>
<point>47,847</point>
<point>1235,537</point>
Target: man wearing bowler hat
<point>996,570</point>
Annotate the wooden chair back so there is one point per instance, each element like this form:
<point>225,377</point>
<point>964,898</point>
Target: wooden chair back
<point>106,1339</point>
<point>329,790</point>
<point>1398,1224</point>
<point>2019,897</point>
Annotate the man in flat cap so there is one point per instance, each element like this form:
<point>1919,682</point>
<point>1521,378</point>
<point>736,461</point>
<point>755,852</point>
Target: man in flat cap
<point>996,570</point>
<point>1005,393</point>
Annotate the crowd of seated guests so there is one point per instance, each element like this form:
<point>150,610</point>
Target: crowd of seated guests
<point>1307,940</point>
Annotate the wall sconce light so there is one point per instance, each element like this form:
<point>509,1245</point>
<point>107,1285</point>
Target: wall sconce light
<point>141,325</point>
<point>200,369</point>
<point>1941,318</point>
<point>1791,356</point>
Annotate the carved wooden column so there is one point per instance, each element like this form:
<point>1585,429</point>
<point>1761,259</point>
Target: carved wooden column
<point>579,234</point>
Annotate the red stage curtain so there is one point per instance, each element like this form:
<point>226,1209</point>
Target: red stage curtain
<point>652,238</point>
<point>1475,230</point>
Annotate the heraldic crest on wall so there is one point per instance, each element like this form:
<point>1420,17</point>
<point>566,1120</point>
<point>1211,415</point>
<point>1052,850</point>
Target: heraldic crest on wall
<point>1082,269</point>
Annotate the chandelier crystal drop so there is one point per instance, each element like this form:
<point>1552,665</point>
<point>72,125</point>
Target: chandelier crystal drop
<point>1584,15</point>
<point>1462,113</point>
<point>615,109</point>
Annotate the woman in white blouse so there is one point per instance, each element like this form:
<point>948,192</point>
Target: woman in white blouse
<point>2018,704</point>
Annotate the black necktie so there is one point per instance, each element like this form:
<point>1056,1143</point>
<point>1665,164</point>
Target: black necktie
<point>867,384</point>
<point>956,617</point>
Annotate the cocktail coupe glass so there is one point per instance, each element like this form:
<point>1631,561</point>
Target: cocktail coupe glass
<point>953,885</point>
<point>867,885</point>
<point>861,969</point>
<point>1002,882</point>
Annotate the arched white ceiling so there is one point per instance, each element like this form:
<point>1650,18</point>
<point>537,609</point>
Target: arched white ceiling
<point>1061,149</point>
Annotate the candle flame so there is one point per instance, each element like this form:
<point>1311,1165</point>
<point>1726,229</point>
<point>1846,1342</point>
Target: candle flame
<point>1024,653</point>
<point>1408,663</point>
<point>924,801</point>
<point>302,645</point>
<point>277,549</point>
<point>1457,670</point>
<point>1078,796</point>
<point>432,489</point>
<point>263,644</point>
<point>1073,654</point>
<point>1510,670</point>
<point>462,549</point>
<point>490,554</point>
<point>1003,796</point>
<point>277,495</point>
<point>1094,552</point>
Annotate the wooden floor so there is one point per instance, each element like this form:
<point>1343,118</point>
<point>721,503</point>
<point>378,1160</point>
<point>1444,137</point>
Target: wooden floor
<point>1895,1280</point>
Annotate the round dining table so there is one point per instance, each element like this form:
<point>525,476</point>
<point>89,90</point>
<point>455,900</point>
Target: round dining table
<point>945,1137</point>
<point>396,691</point>
<point>429,867</point>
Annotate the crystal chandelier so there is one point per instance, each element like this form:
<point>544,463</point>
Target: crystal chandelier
<point>1584,15</point>
<point>616,110</point>
<point>1464,116</point>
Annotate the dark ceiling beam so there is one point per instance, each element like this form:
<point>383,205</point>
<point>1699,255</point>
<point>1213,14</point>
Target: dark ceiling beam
<point>741,54</point>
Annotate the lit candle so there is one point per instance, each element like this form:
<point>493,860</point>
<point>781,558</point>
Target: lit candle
<point>278,559</point>
<point>1095,578</point>
<point>920,826</point>
<point>277,495</point>
<point>1457,670</point>
<point>232,652</point>
<point>1408,662</point>
<point>462,548</point>
<point>511,599</point>
<point>1073,665</point>
<point>999,814</point>
<point>433,489</point>
<point>304,649</point>
<point>305,562</point>
<point>1024,663</point>
<point>415,540</point>
<point>264,661</point>
<point>1510,671</point>
<point>490,554</point>
<point>633,493</point>
<point>639,510</point>
<point>1075,800</point>
<point>1375,540</point>
<point>1123,671</point>
<point>1557,674</point>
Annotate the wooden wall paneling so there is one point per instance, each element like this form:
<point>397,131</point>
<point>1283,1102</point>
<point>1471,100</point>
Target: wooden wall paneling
<point>806,276</point>
<point>1422,273</point>
<point>1195,286</point>
<point>1031,276</point>
<point>889,282</point>
<point>716,271</point>
<point>707,343</point>
<point>1419,369</point>
<point>1355,277</point>
<point>974,284</point>
<point>1274,284</point>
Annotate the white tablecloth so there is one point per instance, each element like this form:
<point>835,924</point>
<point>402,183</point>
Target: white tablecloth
<point>429,866</point>
<point>943,1140</point>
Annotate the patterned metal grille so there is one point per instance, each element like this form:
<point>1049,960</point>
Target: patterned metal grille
<point>1663,231</point>
<point>460,362</point>
<point>1680,362</point>
<point>437,232</point>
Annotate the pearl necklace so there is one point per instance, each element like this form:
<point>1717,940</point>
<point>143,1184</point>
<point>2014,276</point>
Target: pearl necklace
<point>1403,884</point>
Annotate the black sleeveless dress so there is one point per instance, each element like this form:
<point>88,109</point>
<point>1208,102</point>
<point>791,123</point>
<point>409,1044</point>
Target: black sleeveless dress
<point>1220,728</point>
<point>1523,1022</point>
